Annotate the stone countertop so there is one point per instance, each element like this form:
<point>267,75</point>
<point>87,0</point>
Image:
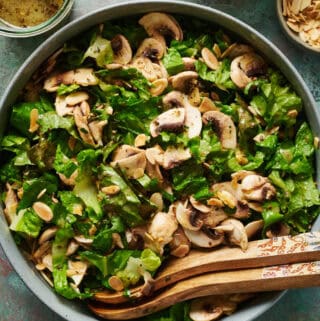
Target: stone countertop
<point>17,302</point>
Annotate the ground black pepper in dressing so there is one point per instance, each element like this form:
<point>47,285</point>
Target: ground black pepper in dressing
<point>23,13</point>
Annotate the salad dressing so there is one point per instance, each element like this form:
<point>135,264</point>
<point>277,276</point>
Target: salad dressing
<point>28,13</point>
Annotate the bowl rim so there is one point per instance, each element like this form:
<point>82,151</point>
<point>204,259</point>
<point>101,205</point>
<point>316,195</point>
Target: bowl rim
<point>70,310</point>
<point>290,33</point>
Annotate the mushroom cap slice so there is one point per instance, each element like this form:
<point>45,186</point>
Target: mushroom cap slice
<point>193,119</point>
<point>204,238</point>
<point>245,68</point>
<point>125,151</point>
<point>205,309</point>
<point>157,23</point>
<point>253,181</point>
<point>173,99</point>
<point>223,126</point>
<point>237,235</point>
<point>134,166</point>
<point>187,217</point>
<point>180,244</point>
<point>171,120</point>
<point>184,81</point>
<point>149,70</point>
<point>122,52</point>
<point>81,76</point>
<point>253,228</point>
<point>209,58</point>
<point>151,48</point>
<point>174,156</point>
<point>235,50</point>
<point>161,229</point>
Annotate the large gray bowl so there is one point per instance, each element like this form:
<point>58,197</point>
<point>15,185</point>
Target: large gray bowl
<point>76,311</point>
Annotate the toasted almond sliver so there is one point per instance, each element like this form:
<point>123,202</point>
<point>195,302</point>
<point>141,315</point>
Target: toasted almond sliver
<point>43,211</point>
<point>111,190</point>
<point>34,116</point>
<point>116,283</point>
<point>213,201</point>
<point>140,140</point>
<point>156,198</point>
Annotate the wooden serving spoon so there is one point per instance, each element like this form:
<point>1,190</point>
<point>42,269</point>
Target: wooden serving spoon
<point>276,251</point>
<point>272,278</point>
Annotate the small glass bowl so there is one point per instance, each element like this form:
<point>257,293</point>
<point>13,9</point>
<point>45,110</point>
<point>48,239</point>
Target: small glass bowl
<point>8,30</point>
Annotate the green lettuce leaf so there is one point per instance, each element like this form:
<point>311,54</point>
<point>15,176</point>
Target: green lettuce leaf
<point>173,62</point>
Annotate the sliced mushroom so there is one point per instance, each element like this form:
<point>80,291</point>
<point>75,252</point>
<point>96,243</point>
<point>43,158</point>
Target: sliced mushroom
<point>83,240</point>
<point>173,99</point>
<point>148,69</point>
<point>76,98</point>
<point>81,121</point>
<point>245,68</point>
<point>251,182</point>
<point>136,237</point>
<point>235,50</point>
<point>237,235</point>
<point>263,193</point>
<point>192,120</point>
<point>184,81</point>
<point>96,129</point>
<point>174,156</point>
<point>205,237</point>
<point>205,309</point>
<point>189,63</point>
<point>11,204</point>
<point>72,248</point>
<point>82,76</point>
<point>153,171</point>
<point>223,126</point>
<point>77,270</point>
<point>171,120</point>
<point>199,206</point>
<point>180,244</point>
<point>122,53</point>
<point>161,230</point>
<point>278,229</point>
<point>187,216</point>
<point>157,23</point>
<point>214,217</point>
<point>48,234</point>
<point>61,106</point>
<point>253,228</point>
<point>134,166</point>
<point>151,48</point>
<point>155,155</point>
<point>125,151</point>
<point>47,261</point>
<point>209,58</point>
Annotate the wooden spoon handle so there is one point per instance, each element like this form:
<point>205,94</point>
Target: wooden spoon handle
<point>276,251</point>
<point>242,281</point>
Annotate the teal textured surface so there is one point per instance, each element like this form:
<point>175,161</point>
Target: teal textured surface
<point>17,302</point>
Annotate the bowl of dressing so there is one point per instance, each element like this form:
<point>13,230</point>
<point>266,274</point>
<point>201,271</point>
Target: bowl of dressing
<point>22,19</point>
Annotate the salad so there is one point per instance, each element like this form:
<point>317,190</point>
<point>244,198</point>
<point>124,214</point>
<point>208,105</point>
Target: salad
<point>141,139</point>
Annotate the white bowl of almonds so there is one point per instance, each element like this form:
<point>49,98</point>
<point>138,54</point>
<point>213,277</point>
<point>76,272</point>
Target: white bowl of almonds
<point>301,21</point>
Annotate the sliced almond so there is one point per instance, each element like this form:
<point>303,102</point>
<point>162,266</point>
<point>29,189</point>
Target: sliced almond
<point>140,140</point>
<point>34,116</point>
<point>115,283</point>
<point>43,211</point>
<point>111,189</point>
<point>206,105</point>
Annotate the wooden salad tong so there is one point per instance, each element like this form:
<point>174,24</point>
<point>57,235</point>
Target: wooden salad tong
<point>267,265</point>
